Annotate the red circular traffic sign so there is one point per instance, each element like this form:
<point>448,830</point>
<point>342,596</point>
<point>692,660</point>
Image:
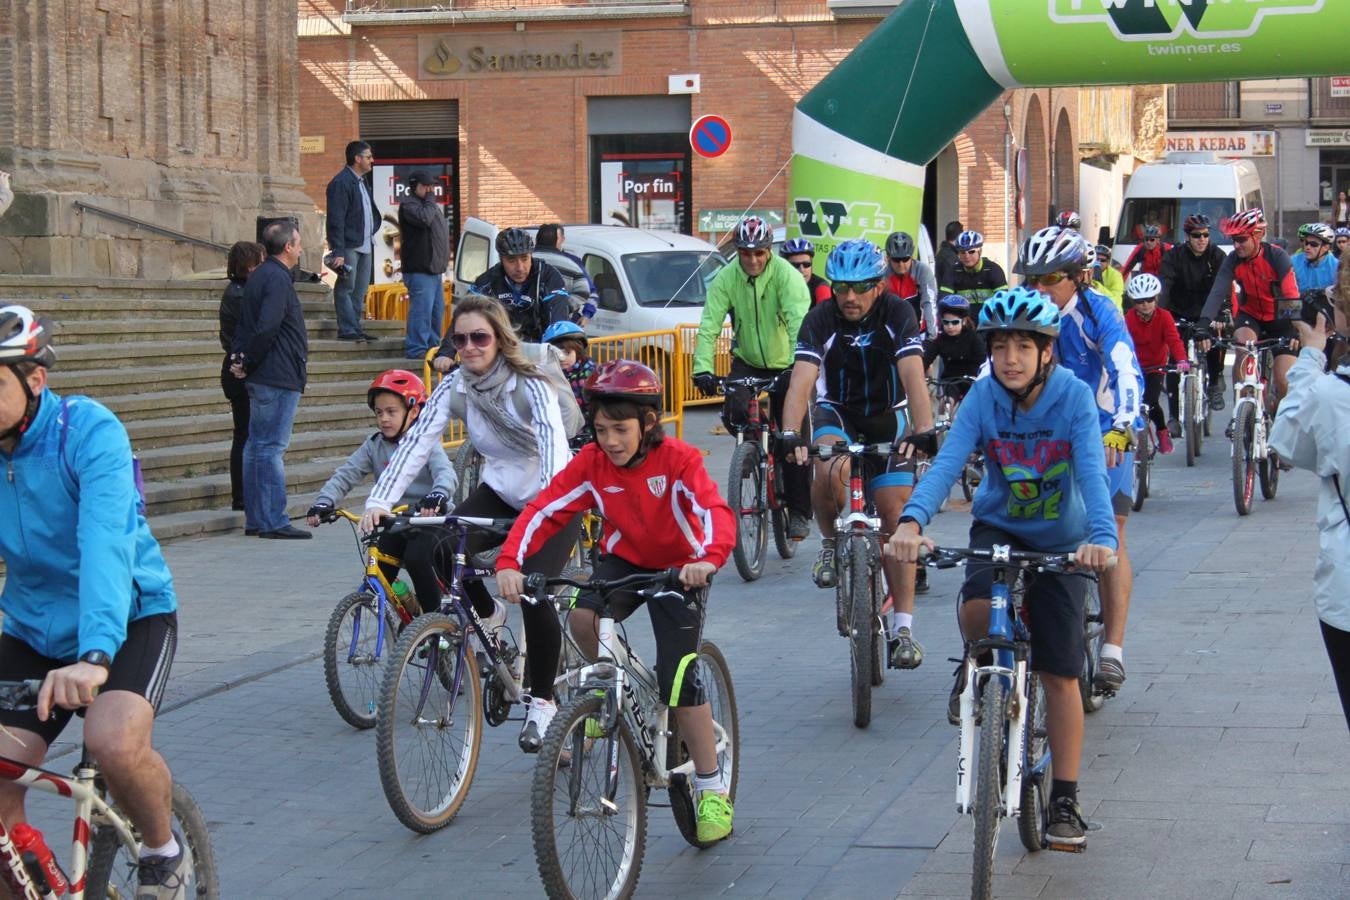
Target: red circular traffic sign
<point>710,136</point>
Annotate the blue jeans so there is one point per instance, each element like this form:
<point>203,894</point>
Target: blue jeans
<point>349,293</point>
<point>271,412</point>
<point>426,311</point>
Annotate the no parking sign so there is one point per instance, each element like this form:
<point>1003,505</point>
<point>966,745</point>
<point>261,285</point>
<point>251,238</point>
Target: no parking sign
<point>710,136</point>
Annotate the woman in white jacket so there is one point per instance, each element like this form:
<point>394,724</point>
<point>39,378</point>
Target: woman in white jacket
<point>1312,431</point>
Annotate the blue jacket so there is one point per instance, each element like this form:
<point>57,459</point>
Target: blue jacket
<point>82,561</point>
<point>1045,472</point>
<point>345,218</point>
<point>271,330</point>
<point>1310,277</point>
<point>1095,345</point>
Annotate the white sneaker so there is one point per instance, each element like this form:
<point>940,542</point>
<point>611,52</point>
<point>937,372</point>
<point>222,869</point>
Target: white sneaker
<point>537,719</point>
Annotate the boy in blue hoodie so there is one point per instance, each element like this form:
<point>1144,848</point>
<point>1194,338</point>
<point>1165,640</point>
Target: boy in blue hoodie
<point>1045,491</point>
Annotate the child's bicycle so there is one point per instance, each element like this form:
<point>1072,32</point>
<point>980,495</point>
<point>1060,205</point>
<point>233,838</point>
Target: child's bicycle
<point>1193,394</point>
<point>1145,448</point>
<point>106,847</point>
<point>947,400</point>
<point>610,746</point>
<point>434,699</point>
<point>755,488</point>
<point>1011,777</point>
<point>1249,430</point>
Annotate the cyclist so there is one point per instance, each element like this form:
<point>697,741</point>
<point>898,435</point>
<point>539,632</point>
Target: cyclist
<point>1070,219</point>
<point>1315,267</point>
<point>665,513</point>
<point>1155,338</point>
<point>549,239</point>
<point>801,254</point>
<point>89,604</point>
<point>1259,273</point>
<point>974,277</point>
<point>911,280</point>
<point>1342,241</point>
<point>1148,254</point>
<point>1094,344</point>
<point>766,300</point>
<point>577,365</point>
<point>1105,278</point>
<point>1188,273</point>
<point>863,354</point>
<point>957,345</point>
<point>1045,491</point>
<point>506,394</point>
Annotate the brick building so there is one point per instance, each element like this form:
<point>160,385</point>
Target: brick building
<point>563,110</point>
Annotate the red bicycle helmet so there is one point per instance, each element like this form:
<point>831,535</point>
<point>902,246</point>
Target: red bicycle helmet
<point>625,379</point>
<point>401,382</point>
<point>1249,221</point>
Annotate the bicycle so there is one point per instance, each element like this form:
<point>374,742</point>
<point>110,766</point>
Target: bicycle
<point>436,694</point>
<point>105,847</point>
<point>610,746</point>
<point>1249,429</point>
<point>1145,448</point>
<point>947,402</point>
<point>1012,774</point>
<point>755,485</point>
<point>1094,635</point>
<point>1193,395</point>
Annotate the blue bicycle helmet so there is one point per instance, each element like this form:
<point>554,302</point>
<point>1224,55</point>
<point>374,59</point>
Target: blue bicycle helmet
<point>794,246</point>
<point>855,260</point>
<point>1020,309</point>
<point>969,240</point>
<point>564,329</point>
<point>955,302</point>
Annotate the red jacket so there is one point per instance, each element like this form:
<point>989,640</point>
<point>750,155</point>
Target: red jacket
<point>1149,261</point>
<point>1154,338</point>
<point>661,514</point>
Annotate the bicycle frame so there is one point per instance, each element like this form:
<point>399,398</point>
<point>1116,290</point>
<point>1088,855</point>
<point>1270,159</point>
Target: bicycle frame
<point>759,426</point>
<point>1251,390</point>
<point>374,582</point>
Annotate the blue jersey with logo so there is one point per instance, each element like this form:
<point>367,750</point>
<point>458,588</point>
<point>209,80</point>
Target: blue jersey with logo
<point>1314,277</point>
<point>1095,345</point>
<point>857,359</point>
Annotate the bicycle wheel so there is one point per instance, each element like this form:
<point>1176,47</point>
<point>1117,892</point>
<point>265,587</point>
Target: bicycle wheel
<point>427,736</point>
<point>1034,817</point>
<point>588,806</point>
<point>989,786</point>
<point>715,677</point>
<point>1139,477</point>
<point>862,628</point>
<point>778,511</point>
<point>745,494</point>
<point>1268,472</point>
<point>468,471</point>
<point>352,655</point>
<point>112,864</point>
<point>1191,421</point>
<point>1094,635</point>
<point>1244,460</point>
<point>877,581</point>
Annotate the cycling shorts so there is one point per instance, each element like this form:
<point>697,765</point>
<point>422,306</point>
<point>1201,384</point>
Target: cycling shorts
<point>140,666</point>
<point>1269,331</point>
<point>676,624</point>
<point>1120,485</point>
<point>1054,605</point>
<point>837,423</point>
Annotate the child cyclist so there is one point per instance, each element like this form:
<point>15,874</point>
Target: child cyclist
<point>577,365</point>
<point>1045,491</point>
<point>1155,337</point>
<point>665,512</point>
<point>396,397</point>
<point>957,344</point>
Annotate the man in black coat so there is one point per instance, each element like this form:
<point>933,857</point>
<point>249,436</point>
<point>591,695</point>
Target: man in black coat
<point>425,255</point>
<point>352,219</point>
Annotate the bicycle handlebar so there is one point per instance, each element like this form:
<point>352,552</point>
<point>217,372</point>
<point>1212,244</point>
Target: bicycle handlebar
<point>537,583</point>
<point>19,695</point>
<point>1267,344</point>
<point>1002,555</point>
<point>757,383</point>
<point>848,448</point>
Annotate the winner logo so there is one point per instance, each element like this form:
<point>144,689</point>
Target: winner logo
<point>1164,20</point>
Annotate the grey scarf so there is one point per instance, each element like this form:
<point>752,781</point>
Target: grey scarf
<point>488,395</point>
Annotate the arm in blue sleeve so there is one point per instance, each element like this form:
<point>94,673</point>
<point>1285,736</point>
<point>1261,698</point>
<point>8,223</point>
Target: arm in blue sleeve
<point>963,438</point>
<point>1122,366</point>
<point>1294,435</point>
<point>106,532</point>
<point>1089,468</point>
<point>269,313</point>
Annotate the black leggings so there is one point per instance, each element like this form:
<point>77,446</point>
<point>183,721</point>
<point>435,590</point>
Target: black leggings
<point>1153,385</point>
<point>1338,651</point>
<point>238,397</point>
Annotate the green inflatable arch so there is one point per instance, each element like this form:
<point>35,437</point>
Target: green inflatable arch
<point>862,137</point>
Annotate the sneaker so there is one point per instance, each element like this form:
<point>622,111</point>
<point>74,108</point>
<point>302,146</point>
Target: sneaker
<point>537,720</point>
<point>1173,429</point>
<point>1216,391</point>
<point>1164,441</point>
<point>799,526</point>
<point>954,701</point>
<point>1110,674</point>
<point>921,580</point>
<point>907,653</point>
<point>822,573</point>
<point>163,877</point>
<point>714,817</point>
<point>1066,823</point>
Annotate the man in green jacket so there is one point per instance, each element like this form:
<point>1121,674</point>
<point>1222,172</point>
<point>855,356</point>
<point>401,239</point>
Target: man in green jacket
<point>766,299</point>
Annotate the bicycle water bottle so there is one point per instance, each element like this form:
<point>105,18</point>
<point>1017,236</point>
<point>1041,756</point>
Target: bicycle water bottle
<point>401,592</point>
<point>42,866</point>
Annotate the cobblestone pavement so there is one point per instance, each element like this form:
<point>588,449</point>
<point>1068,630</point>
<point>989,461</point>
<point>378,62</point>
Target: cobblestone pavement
<point>1220,770</point>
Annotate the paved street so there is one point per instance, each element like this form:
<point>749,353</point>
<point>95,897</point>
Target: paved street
<point>1218,772</point>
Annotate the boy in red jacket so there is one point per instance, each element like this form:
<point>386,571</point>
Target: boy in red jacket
<point>661,511</point>
<point>1155,337</point>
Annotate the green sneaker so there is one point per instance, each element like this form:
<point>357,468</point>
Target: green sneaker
<point>594,729</point>
<point>714,817</point>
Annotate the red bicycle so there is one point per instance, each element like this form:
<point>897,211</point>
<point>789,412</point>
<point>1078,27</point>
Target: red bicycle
<point>755,485</point>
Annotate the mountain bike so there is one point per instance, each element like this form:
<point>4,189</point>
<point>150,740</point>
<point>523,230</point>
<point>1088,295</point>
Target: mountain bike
<point>947,399</point>
<point>1012,774</point>
<point>106,846</point>
<point>755,487</point>
<point>1094,635</point>
<point>1145,448</point>
<point>1193,395</point>
<point>610,746</point>
<point>1249,429</point>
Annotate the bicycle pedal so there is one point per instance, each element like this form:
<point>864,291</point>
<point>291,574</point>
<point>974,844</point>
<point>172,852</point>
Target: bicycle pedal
<point>1066,848</point>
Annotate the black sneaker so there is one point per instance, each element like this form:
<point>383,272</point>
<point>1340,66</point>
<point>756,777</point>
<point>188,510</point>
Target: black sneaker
<point>163,877</point>
<point>921,579</point>
<point>799,526</point>
<point>1110,674</point>
<point>906,653</point>
<point>1067,826</point>
<point>1216,390</point>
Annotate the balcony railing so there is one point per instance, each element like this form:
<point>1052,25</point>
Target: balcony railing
<point>1210,100</point>
<point>386,12</point>
<point>1325,106</point>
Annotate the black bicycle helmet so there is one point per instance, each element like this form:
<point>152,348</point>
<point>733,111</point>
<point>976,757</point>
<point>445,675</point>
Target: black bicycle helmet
<point>514,242</point>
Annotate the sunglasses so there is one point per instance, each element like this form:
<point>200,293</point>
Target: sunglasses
<point>1047,280</point>
<point>1200,234</point>
<point>951,322</point>
<point>852,287</point>
<point>480,339</point>
<point>1146,300</point>
<point>967,252</point>
<point>901,258</point>
<point>803,265</point>
<point>1241,239</point>
<point>1313,245</point>
<point>1150,240</point>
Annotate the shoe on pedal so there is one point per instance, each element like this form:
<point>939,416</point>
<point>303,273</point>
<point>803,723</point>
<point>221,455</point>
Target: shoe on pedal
<point>1216,391</point>
<point>163,877</point>
<point>1067,826</point>
<point>537,719</point>
<point>921,579</point>
<point>799,526</point>
<point>907,652</point>
<point>822,573</point>
<point>1110,674</point>
<point>714,817</point>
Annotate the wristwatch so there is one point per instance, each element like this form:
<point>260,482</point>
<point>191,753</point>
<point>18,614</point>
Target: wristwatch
<point>904,519</point>
<point>97,658</point>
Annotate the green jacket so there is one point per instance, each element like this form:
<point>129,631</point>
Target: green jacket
<point>1112,284</point>
<point>766,313</point>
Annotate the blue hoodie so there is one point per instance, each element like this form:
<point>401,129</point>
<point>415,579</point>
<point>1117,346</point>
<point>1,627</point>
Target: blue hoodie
<point>82,561</point>
<point>1045,472</point>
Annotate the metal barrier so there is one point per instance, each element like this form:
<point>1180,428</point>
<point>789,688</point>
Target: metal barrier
<point>390,302</point>
<point>721,363</point>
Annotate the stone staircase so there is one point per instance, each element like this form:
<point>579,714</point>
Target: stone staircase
<point>149,351</point>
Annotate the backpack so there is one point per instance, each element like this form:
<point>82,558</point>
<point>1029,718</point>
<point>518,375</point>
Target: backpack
<point>64,419</point>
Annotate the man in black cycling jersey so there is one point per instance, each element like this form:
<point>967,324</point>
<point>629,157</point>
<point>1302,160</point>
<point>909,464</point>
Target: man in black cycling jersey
<point>863,353</point>
<point>1187,276</point>
<point>974,277</point>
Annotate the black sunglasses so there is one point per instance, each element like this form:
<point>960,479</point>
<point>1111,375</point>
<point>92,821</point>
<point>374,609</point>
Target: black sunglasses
<point>901,258</point>
<point>804,265</point>
<point>480,339</point>
<point>1313,245</point>
<point>951,321</point>
<point>855,287</point>
<point>1199,234</point>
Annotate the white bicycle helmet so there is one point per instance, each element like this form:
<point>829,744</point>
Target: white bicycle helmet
<point>25,337</point>
<point>1052,249</point>
<point>1143,287</point>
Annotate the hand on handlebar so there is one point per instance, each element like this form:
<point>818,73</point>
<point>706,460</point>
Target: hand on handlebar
<point>1094,557</point>
<point>70,687</point>
<point>510,584</point>
<point>923,442</point>
<point>907,544</point>
<point>372,517</point>
<point>794,447</point>
<point>319,513</point>
<point>706,383</point>
<point>1183,366</point>
<point>697,574</point>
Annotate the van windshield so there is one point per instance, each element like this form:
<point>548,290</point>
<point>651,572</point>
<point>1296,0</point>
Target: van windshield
<point>672,277</point>
<point>1169,213</point>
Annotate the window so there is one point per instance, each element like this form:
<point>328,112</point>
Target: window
<point>607,283</point>
<point>1168,213</point>
<point>667,278</point>
<point>473,258</point>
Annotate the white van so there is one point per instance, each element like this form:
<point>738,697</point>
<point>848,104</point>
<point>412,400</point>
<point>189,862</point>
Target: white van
<point>1165,193</point>
<point>646,280</point>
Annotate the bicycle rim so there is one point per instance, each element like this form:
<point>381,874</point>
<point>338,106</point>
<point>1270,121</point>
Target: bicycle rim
<point>1034,817</point>
<point>989,786</point>
<point>353,657</point>
<point>862,628</point>
<point>745,495</point>
<point>1244,463</point>
<point>112,865</point>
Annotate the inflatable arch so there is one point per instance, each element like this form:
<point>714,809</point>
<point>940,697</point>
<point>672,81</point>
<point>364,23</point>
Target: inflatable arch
<point>862,137</point>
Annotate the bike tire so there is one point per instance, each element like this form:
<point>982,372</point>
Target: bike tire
<point>745,485</point>
<point>1033,819</point>
<point>1190,420</point>
<point>417,679</point>
<point>1139,477</point>
<point>778,511</point>
<point>1094,635</point>
<point>1268,473</point>
<point>1244,463</point>
<point>715,676</point>
<point>880,658</point>
<point>560,869</point>
<point>353,673</point>
<point>862,626</point>
<point>112,865</point>
<point>989,787</point>
<point>468,471</point>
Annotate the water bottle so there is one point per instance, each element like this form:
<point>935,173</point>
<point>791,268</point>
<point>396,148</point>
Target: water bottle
<point>401,592</point>
<point>42,866</point>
